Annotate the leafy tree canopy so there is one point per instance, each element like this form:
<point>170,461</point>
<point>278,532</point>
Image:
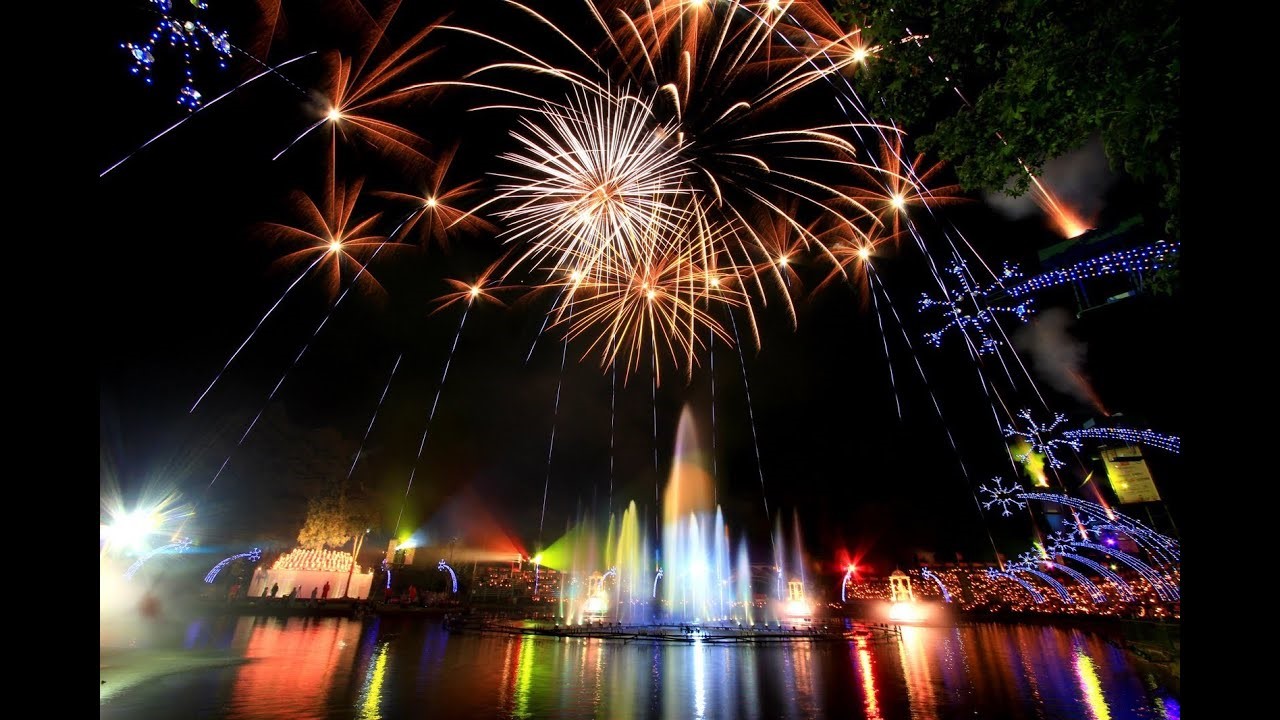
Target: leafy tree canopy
<point>336,517</point>
<point>1046,75</point>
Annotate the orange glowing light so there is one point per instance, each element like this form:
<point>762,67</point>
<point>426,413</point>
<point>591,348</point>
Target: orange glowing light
<point>906,612</point>
<point>1068,223</point>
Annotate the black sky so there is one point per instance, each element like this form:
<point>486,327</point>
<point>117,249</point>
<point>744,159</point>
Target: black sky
<point>189,276</point>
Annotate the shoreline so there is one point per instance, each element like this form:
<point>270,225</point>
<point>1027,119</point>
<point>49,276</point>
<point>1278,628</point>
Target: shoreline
<point>122,668</point>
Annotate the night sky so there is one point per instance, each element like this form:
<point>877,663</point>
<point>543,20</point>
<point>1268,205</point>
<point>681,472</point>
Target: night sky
<point>190,274</point>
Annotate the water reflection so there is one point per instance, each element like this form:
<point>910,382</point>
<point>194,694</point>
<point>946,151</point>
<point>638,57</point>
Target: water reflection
<point>391,668</point>
<point>524,675</point>
<point>867,675</point>
<point>292,666</point>
<point>372,691</point>
<point>699,680</point>
<point>1089,684</point>
<point>915,656</point>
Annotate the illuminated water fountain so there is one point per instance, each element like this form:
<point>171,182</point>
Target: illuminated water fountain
<point>692,576</point>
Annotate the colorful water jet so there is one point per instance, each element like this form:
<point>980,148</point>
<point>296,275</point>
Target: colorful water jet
<point>692,574</point>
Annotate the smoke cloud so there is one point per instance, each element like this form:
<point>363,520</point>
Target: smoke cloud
<point>1079,179</point>
<point>1058,357</point>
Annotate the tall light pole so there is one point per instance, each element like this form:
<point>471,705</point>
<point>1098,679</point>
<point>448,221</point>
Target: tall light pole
<point>357,543</point>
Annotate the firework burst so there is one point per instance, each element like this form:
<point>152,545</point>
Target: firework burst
<point>672,151</point>
<point>360,89</point>
<point>332,242</point>
<point>440,213</point>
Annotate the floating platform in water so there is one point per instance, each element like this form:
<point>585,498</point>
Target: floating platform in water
<point>687,633</point>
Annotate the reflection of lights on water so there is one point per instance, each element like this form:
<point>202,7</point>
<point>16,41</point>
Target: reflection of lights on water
<point>906,612</point>
<point>915,671</point>
<point>1090,687</point>
<point>524,676</point>
<point>699,679</point>
<point>868,680</point>
<point>369,709</point>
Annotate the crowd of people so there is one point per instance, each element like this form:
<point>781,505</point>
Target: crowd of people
<point>321,560</point>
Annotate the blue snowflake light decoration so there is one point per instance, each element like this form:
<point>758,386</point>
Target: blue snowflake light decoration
<point>190,37</point>
<point>1002,496</point>
<point>962,307</point>
<point>1028,559</point>
<point>1083,530</point>
<point>1040,438</point>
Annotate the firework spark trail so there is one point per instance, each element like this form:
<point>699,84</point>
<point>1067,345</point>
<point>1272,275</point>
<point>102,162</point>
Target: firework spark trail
<point>974,355</point>
<point>982,381</point>
<point>711,355</point>
<point>613,401</point>
<point>875,281</point>
<point>551,446</point>
<point>884,339</point>
<point>545,319</point>
<point>755,442</point>
<point>912,177</point>
<point>431,415</point>
<point>307,345</point>
<point>261,320</point>
<point>971,288</point>
<point>304,133</point>
<point>204,107</point>
<point>363,266</point>
<point>654,385</point>
<point>374,419</point>
<point>995,321</point>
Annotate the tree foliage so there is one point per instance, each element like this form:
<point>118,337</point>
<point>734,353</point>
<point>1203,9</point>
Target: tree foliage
<point>1046,75</point>
<point>335,518</point>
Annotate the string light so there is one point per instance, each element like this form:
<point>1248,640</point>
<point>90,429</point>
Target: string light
<point>180,546</point>
<point>1095,594</point>
<point>442,565</point>
<point>1061,549</point>
<point>1029,567</point>
<point>1002,496</point>
<point>1039,438</point>
<point>254,555</point>
<point>1145,437</point>
<point>1139,260</point>
<point>1118,521</point>
<point>190,37</point>
<point>955,307</point>
<point>1035,594</point>
<point>927,573</point>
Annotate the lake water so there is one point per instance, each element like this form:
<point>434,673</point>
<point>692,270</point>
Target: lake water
<point>413,668</point>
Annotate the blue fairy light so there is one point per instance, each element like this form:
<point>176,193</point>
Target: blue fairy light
<point>190,37</point>
<point>1137,260</point>
<point>1002,496</point>
<point>963,309</point>
<point>1144,437</point>
<point>1039,437</point>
